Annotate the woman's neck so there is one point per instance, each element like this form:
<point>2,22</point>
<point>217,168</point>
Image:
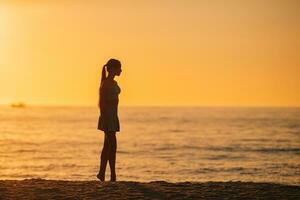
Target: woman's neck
<point>110,77</point>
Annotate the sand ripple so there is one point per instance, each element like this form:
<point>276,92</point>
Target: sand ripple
<point>56,189</point>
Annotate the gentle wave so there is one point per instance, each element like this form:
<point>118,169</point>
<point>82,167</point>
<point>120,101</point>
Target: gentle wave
<point>173,144</point>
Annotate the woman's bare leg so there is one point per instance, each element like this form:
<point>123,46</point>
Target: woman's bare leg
<point>104,158</point>
<point>112,154</point>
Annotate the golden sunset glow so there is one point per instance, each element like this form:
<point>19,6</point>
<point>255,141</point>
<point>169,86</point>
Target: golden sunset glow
<point>196,53</point>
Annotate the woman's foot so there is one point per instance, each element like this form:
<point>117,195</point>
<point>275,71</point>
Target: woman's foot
<point>113,177</point>
<point>101,177</point>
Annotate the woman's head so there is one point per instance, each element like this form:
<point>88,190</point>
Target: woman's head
<point>113,67</point>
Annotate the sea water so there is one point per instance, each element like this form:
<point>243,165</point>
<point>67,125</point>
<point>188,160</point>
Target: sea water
<point>155,143</point>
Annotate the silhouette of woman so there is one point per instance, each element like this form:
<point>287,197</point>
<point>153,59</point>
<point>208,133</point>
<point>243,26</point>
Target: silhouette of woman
<point>108,120</point>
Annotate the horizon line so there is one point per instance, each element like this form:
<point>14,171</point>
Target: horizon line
<point>187,106</point>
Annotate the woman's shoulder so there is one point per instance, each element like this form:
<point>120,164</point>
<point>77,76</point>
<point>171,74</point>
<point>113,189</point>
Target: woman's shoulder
<point>106,84</point>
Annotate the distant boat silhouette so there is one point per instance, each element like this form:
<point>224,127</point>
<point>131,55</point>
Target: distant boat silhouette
<point>18,105</point>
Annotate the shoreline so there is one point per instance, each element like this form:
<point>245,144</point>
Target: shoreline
<point>62,189</point>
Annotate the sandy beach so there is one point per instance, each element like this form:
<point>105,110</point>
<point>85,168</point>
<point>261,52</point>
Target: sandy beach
<point>57,189</point>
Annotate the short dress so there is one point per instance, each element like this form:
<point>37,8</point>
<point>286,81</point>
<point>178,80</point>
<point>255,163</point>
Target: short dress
<point>108,121</point>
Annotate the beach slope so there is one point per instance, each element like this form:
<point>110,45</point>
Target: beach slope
<point>57,189</point>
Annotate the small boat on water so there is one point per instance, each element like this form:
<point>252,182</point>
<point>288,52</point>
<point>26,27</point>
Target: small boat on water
<point>18,105</point>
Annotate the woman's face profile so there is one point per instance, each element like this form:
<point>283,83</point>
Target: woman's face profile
<point>118,71</point>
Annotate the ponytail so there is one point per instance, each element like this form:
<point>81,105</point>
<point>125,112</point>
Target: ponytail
<point>103,77</point>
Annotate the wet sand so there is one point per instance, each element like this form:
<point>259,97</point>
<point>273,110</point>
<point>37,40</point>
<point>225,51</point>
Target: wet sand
<point>57,189</point>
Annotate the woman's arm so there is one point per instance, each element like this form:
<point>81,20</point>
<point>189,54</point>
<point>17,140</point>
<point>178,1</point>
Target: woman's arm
<point>108,98</point>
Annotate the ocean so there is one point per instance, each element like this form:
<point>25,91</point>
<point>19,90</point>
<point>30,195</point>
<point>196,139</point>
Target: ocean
<point>173,144</point>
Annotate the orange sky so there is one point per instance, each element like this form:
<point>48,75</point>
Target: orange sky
<point>174,52</point>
